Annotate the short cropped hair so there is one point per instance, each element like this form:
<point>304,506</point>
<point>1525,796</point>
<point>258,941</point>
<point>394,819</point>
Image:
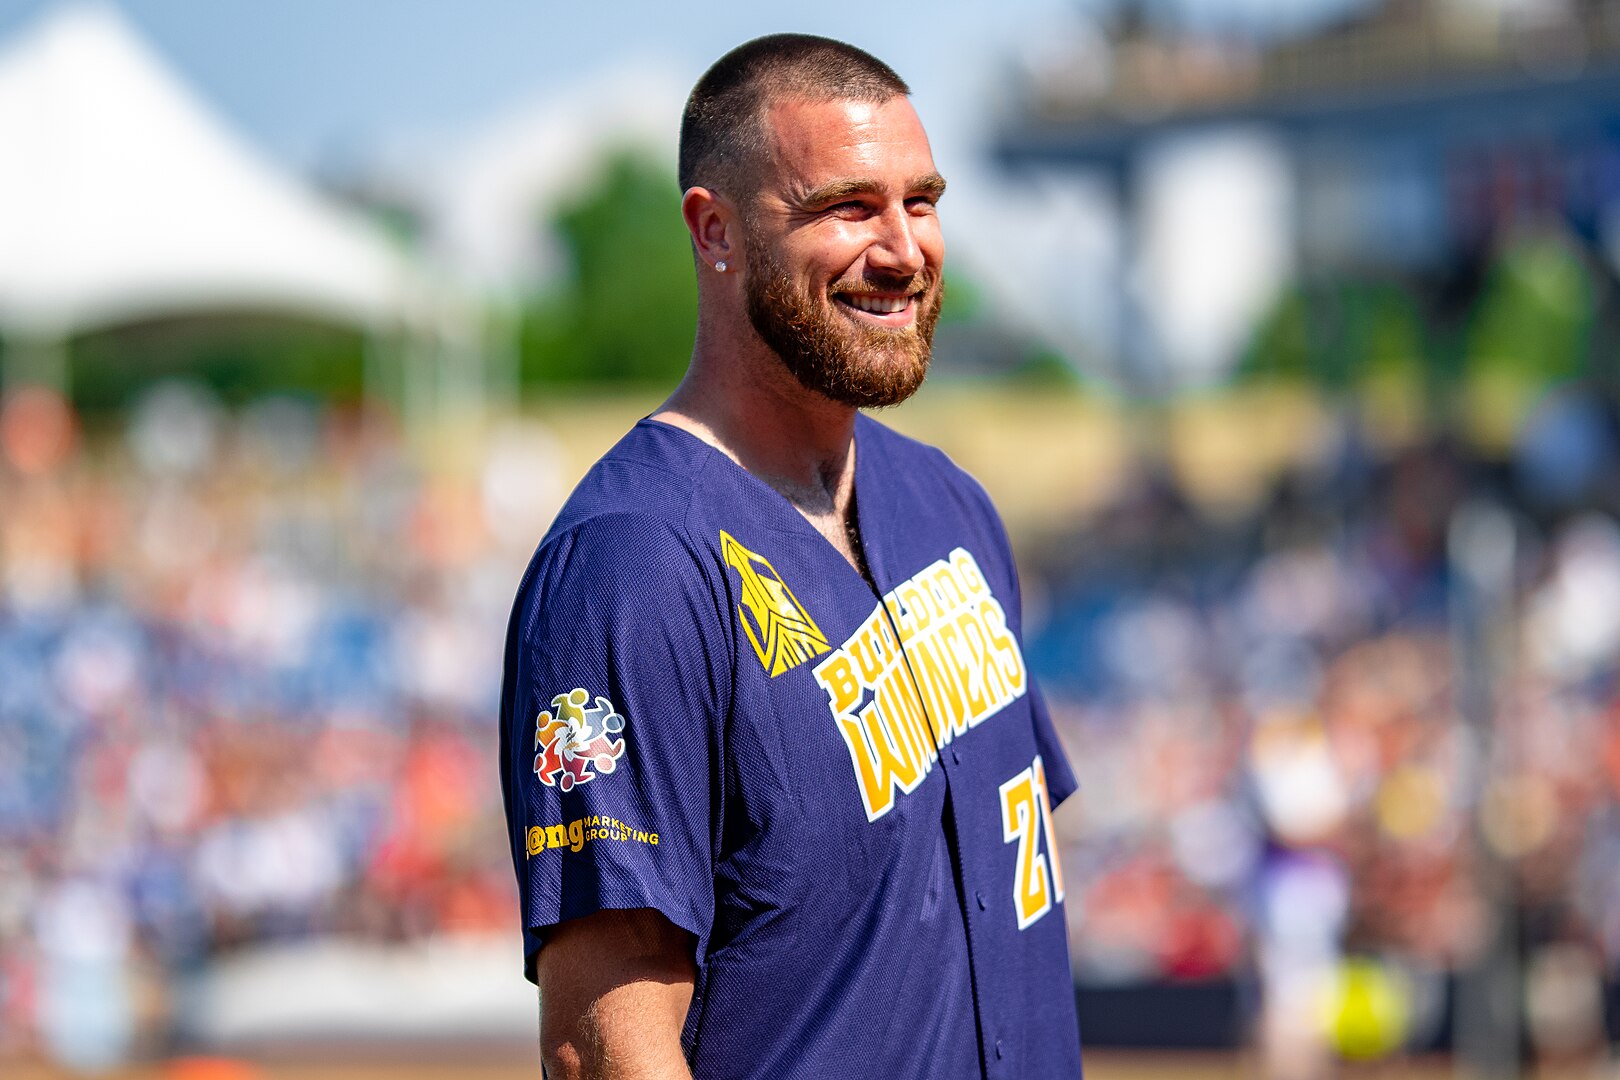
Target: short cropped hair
<point>723,128</point>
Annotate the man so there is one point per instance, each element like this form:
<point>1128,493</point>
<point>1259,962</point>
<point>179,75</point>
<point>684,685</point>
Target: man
<point>779,787</point>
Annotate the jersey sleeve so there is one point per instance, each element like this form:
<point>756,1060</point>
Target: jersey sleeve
<point>616,683</point>
<point>1060,781</point>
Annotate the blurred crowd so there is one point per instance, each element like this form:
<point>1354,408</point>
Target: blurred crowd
<point>248,665</point>
<point>1372,721</point>
<point>249,660</point>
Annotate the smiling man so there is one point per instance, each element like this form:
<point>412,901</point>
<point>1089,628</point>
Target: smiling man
<point>778,784</point>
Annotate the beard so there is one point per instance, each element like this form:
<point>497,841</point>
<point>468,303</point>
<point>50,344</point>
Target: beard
<point>865,367</point>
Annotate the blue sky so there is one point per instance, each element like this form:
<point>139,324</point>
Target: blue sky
<point>314,82</point>
<point>309,79</point>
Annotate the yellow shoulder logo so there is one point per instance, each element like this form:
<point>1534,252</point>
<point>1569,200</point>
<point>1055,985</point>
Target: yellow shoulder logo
<point>782,632</point>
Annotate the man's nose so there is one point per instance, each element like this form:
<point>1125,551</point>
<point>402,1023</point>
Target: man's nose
<point>896,249</point>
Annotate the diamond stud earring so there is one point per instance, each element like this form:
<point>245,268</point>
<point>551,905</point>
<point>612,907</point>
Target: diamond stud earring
<point>720,266</point>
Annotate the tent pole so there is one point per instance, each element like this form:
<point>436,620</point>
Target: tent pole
<point>382,377</point>
<point>503,346</point>
<point>421,370</point>
<point>463,358</point>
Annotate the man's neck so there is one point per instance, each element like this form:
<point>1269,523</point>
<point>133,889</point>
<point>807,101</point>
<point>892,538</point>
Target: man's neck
<point>756,413</point>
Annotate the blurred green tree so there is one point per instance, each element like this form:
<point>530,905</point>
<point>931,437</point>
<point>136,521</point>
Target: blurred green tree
<point>1535,312</point>
<point>1340,333</point>
<point>626,310</point>
<point>965,303</point>
<point>1531,328</point>
<point>240,356</point>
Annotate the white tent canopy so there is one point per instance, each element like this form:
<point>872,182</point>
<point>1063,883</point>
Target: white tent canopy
<point>122,196</point>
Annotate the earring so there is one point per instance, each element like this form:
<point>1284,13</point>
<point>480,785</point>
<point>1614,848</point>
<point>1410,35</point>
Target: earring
<point>720,266</point>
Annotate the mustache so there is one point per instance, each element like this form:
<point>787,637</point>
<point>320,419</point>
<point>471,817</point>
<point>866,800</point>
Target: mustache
<point>917,284</point>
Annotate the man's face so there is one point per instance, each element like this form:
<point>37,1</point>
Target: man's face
<point>844,248</point>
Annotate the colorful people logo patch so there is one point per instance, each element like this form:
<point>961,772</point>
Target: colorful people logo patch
<point>578,738</point>
<point>782,632</point>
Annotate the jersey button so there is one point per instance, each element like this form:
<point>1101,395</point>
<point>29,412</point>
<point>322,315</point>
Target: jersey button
<point>978,895</point>
<point>956,759</point>
<point>998,1050</point>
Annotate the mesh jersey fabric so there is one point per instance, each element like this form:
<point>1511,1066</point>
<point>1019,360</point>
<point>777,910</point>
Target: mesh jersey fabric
<point>844,796</point>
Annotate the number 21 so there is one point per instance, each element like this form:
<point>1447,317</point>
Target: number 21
<point>1026,816</point>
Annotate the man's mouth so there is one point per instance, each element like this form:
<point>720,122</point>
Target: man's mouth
<point>886,310</point>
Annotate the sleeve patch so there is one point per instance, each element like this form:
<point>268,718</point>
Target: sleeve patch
<point>574,737</point>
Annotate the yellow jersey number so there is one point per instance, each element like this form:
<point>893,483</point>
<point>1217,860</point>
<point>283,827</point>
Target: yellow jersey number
<point>1026,816</point>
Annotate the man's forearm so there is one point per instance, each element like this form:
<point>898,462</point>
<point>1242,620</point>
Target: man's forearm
<point>615,988</point>
<point>613,1041</point>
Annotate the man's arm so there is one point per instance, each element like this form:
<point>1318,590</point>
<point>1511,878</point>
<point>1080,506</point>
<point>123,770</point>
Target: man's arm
<point>614,990</point>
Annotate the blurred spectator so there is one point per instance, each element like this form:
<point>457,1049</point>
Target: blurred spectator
<point>246,682</point>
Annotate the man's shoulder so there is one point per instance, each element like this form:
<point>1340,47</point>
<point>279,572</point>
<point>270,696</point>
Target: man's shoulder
<point>642,490</point>
<point>923,465</point>
<point>909,454</point>
<point>630,511</point>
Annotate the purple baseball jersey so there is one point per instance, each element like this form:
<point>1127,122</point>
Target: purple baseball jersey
<point>845,795</point>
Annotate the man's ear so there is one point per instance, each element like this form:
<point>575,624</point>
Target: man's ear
<point>713,223</point>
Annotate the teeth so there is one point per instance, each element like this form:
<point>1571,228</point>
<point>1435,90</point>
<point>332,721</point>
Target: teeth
<point>877,305</point>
